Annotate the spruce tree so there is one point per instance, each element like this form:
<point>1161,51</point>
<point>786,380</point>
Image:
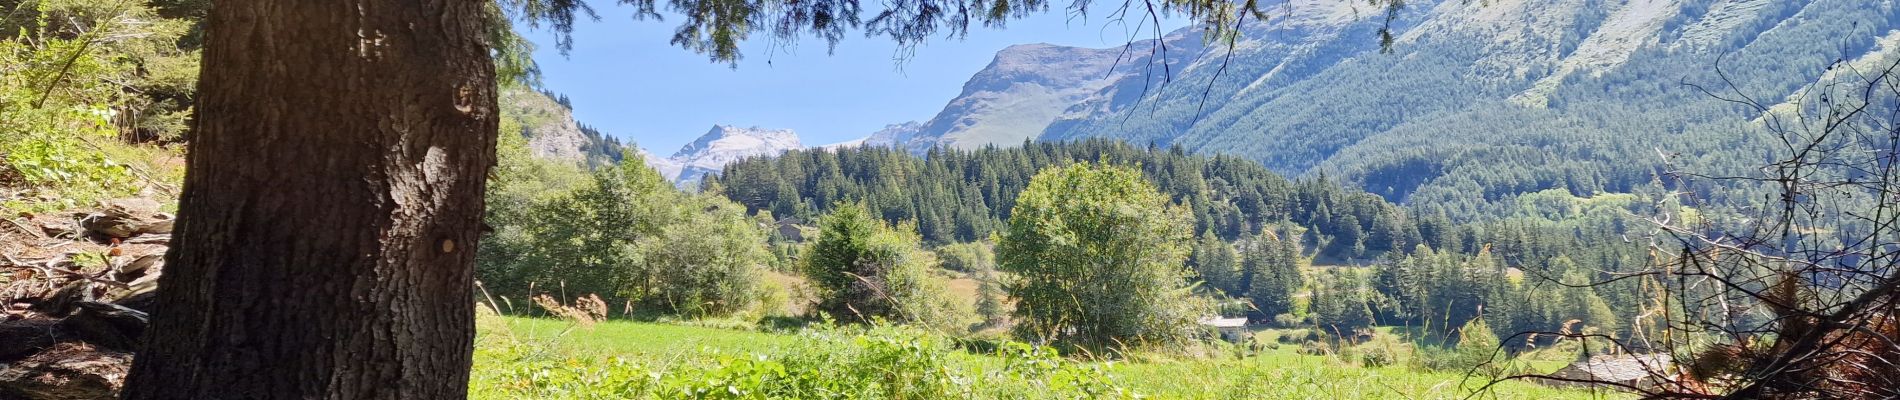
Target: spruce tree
<point>1275,274</point>
<point>1214,260</point>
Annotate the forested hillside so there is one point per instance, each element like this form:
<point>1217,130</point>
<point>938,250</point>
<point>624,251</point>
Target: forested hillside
<point>1474,103</point>
<point>963,195</point>
<point>1256,229</point>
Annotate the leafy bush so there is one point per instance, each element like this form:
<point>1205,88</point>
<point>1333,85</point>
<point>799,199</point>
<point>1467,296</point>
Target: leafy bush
<point>1296,336</point>
<point>866,270</point>
<point>706,261</point>
<point>621,231</point>
<point>53,99</point>
<point>1477,351</point>
<point>1287,320</point>
<point>1376,356</point>
<point>972,257</point>
<point>74,76</point>
<point>1316,348</point>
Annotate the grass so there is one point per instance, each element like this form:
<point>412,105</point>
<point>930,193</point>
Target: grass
<point>668,351</point>
<point>1285,374</point>
<point>640,339</point>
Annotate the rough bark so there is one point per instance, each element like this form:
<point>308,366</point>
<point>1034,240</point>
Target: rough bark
<point>324,246</point>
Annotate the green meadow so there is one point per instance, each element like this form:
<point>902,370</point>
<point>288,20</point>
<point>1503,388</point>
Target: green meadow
<point>545,358</point>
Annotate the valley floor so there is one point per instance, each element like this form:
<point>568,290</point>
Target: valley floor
<point>541,358</point>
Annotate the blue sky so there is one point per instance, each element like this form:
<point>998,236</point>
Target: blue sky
<point>624,78</point>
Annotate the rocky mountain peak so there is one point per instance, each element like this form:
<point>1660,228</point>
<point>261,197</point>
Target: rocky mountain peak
<point>722,145</point>
<point>893,134</point>
<point>727,140</point>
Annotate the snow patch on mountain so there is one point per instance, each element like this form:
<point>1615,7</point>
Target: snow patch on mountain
<point>893,134</point>
<point>723,145</point>
<point>667,168</point>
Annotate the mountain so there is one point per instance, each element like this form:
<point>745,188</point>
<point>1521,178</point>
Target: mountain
<point>722,145</point>
<point>667,168</point>
<point>1027,87</point>
<point>547,121</point>
<point>892,134</point>
<point>1472,104</point>
<point>726,144</point>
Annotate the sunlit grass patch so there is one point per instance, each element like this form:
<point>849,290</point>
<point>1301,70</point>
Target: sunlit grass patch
<point>542,358</point>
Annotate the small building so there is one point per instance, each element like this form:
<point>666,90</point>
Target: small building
<point>1231,329</point>
<point>1642,371</point>
<point>789,229</point>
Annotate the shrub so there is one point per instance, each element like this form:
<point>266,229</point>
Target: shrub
<point>865,270</point>
<point>1478,348</point>
<point>1376,356</point>
<point>1288,320</point>
<point>1476,351</point>
<point>621,231</point>
<point>773,300</point>
<point>706,261</point>
<point>68,71</point>
<point>1295,336</point>
<point>1316,348</point>
<point>973,257</point>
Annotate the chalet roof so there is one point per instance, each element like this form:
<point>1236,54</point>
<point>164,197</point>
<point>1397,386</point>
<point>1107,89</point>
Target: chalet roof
<point>1218,322</point>
<point>1622,368</point>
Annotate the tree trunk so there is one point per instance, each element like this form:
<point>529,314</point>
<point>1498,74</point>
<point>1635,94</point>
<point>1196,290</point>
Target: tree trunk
<point>332,202</point>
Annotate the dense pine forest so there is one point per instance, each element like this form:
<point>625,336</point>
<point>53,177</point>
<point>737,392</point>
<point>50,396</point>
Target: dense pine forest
<point>961,196</point>
<point>1426,270</point>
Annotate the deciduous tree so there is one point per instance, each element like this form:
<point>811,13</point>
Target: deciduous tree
<point>1099,258</point>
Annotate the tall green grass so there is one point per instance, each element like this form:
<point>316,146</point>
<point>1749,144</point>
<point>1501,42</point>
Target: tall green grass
<point>540,358</point>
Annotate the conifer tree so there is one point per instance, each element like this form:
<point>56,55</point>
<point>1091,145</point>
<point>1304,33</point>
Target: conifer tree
<point>1274,261</point>
<point>1215,260</point>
